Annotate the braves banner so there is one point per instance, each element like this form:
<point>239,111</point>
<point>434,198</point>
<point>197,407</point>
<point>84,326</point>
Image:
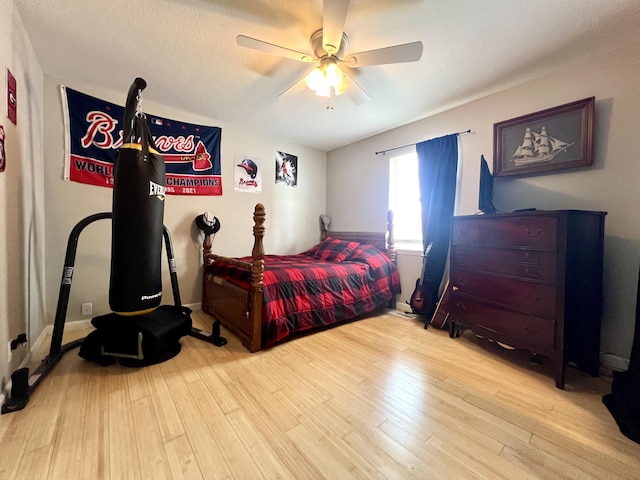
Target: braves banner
<point>94,134</point>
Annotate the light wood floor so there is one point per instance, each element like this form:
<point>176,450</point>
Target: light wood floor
<point>380,398</point>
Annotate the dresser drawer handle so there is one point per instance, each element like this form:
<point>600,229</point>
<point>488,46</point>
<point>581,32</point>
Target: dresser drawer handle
<point>532,256</point>
<point>532,273</point>
<point>535,298</point>
<point>530,330</point>
<point>463,232</point>
<point>463,263</point>
<point>533,233</point>
<point>461,306</point>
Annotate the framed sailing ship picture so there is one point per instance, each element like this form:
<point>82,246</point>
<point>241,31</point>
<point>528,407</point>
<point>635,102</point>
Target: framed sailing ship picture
<point>551,139</point>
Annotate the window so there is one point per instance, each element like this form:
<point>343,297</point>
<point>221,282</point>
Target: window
<point>404,199</point>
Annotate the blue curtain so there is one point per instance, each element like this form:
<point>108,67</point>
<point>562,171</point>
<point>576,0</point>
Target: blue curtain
<point>437,170</point>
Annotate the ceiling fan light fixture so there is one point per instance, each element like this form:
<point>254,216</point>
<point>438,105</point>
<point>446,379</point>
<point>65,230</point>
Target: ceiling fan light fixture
<point>342,86</point>
<point>333,74</point>
<point>325,91</point>
<point>326,77</point>
<point>315,80</point>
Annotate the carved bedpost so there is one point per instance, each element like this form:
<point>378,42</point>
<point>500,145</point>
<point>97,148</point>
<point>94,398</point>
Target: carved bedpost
<point>257,270</point>
<point>206,248</point>
<point>257,274</point>
<point>391,239</point>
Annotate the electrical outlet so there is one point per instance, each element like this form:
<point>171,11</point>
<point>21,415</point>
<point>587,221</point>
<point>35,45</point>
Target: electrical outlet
<point>87,309</point>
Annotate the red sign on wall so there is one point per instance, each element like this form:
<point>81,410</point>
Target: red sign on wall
<point>12,98</point>
<point>3,159</point>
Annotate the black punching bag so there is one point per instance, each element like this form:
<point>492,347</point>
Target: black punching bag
<point>624,400</point>
<point>138,209</point>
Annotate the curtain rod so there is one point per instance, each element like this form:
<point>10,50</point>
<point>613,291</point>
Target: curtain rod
<point>411,144</point>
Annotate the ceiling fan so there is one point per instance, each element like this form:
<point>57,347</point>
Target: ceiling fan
<point>329,44</point>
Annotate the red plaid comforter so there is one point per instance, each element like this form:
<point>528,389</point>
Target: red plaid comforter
<point>302,292</point>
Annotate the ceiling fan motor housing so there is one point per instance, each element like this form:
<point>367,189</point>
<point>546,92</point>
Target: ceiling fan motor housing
<point>318,48</point>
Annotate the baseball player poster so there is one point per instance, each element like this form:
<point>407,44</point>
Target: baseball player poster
<point>286,169</point>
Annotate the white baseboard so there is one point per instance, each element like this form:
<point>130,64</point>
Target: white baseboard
<point>47,332</point>
<point>35,346</point>
<point>614,362</point>
<point>403,307</point>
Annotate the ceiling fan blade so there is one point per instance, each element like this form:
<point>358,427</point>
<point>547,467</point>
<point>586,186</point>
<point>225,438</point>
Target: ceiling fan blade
<point>355,92</point>
<point>408,52</point>
<point>334,14</point>
<point>267,47</point>
<point>298,86</point>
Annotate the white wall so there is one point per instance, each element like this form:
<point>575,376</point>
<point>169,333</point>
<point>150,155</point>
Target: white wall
<point>611,184</point>
<point>21,194</point>
<point>292,212</point>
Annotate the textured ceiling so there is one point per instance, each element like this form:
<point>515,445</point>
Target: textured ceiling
<point>186,51</point>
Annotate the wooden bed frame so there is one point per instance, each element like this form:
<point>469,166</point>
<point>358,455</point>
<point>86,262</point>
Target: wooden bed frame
<point>240,310</point>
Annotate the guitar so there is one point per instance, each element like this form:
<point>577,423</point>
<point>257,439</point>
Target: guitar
<point>422,297</point>
<point>440,316</point>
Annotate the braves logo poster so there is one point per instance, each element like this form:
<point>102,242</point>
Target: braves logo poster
<point>94,134</point>
<point>248,174</point>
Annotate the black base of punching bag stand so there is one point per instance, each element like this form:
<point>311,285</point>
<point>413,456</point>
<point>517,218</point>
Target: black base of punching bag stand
<point>23,384</point>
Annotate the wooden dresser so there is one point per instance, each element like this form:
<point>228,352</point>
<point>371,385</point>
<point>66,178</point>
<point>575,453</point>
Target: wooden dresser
<point>531,280</point>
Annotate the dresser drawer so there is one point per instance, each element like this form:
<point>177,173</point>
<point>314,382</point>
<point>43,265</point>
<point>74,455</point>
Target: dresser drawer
<point>534,298</point>
<point>532,280</point>
<point>527,231</point>
<point>530,264</point>
<point>513,328</point>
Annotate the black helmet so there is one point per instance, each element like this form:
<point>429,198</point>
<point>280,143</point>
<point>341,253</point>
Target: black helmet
<point>208,223</point>
<point>250,166</point>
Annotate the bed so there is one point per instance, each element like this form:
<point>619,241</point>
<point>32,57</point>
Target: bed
<point>265,299</point>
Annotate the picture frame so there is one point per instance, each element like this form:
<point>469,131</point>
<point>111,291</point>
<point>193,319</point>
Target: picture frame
<point>552,139</point>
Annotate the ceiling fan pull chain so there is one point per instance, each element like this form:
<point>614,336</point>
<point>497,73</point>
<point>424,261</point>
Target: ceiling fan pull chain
<point>332,94</point>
